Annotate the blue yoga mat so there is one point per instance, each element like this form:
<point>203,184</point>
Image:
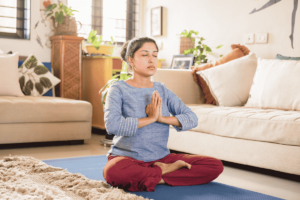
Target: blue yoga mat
<point>92,167</point>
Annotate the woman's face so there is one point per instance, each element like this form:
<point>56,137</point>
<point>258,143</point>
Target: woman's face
<point>145,60</point>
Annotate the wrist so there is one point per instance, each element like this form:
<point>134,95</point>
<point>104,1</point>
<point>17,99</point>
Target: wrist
<point>152,119</point>
<point>161,119</point>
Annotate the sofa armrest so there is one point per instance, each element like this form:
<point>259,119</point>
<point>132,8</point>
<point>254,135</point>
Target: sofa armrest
<point>182,83</point>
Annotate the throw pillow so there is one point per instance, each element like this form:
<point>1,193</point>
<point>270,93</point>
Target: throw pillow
<point>237,52</point>
<point>35,79</point>
<point>51,92</point>
<point>9,79</point>
<point>230,83</point>
<point>281,57</point>
<point>275,85</point>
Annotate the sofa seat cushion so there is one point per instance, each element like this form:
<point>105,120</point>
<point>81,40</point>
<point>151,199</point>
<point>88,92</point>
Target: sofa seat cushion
<point>30,109</point>
<point>270,125</point>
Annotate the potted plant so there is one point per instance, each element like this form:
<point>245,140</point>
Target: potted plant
<point>200,51</point>
<point>61,16</point>
<point>98,46</point>
<point>124,75</point>
<point>187,41</point>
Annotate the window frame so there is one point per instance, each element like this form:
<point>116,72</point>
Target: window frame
<point>131,19</point>
<point>23,15</point>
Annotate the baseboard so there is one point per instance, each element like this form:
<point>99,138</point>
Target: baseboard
<point>40,144</point>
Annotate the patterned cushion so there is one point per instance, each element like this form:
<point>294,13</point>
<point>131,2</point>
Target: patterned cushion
<point>35,79</point>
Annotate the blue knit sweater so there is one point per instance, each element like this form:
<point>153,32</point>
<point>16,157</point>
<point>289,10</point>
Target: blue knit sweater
<point>126,104</point>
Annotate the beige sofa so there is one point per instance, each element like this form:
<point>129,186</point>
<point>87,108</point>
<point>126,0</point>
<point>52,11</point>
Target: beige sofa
<point>267,139</point>
<point>43,119</point>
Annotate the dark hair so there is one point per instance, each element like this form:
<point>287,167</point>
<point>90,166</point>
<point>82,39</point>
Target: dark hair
<point>135,45</point>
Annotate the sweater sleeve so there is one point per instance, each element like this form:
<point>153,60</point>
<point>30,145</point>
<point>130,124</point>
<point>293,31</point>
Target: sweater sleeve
<point>115,122</point>
<point>184,114</point>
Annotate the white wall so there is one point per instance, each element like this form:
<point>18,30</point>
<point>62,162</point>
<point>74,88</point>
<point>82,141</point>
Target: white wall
<point>27,47</point>
<point>225,22</point>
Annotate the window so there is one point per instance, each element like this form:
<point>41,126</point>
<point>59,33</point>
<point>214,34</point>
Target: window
<point>15,19</point>
<point>116,18</point>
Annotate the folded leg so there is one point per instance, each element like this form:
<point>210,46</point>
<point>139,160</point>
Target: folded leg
<point>130,174</point>
<point>204,170</point>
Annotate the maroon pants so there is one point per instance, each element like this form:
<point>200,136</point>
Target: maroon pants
<point>135,175</point>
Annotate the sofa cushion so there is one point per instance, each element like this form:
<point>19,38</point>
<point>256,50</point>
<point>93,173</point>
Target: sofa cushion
<point>230,83</point>
<point>30,109</point>
<point>276,126</point>
<point>275,85</point>
<point>9,79</point>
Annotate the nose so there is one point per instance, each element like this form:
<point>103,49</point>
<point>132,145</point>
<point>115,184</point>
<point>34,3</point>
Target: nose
<point>150,58</point>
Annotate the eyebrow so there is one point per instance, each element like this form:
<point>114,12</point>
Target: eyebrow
<point>148,51</point>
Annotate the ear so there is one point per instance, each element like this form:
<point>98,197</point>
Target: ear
<point>130,60</point>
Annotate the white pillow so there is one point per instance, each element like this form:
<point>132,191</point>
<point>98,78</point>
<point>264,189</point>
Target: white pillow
<point>276,85</point>
<point>9,79</point>
<point>35,78</point>
<point>230,82</point>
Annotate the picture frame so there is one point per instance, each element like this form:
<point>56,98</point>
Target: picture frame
<point>182,61</point>
<point>156,21</point>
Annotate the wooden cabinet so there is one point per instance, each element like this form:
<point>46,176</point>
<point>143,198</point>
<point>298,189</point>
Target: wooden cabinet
<point>66,59</point>
<point>96,72</point>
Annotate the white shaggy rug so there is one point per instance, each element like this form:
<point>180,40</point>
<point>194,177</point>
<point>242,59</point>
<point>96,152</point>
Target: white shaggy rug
<point>23,177</point>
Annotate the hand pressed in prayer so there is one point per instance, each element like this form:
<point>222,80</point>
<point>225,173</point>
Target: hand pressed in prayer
<point>154,108</point>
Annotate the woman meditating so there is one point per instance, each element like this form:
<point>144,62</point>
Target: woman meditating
<point>137,112</point>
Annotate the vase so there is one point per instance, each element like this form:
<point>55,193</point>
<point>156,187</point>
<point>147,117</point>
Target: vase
<point>104,49</point>
<point>67,27</point>
<point>186,43</point>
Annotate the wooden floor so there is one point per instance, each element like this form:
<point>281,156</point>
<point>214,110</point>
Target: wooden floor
<point>263,181</point>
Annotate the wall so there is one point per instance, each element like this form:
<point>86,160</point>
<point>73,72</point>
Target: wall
<point>225,22</point>
<point>27,47</point>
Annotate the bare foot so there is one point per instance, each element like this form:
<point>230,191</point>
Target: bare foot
<point>167,168</point>
<point>162,181</point>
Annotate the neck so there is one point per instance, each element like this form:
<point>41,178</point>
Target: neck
<point>141,81</point>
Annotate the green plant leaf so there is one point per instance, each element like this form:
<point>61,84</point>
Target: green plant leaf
<point>59,17</point>
<point>124,66</point>
<point>31,62</point>
<point>221,55</point>
<point>66,9</point>
<point>51,7</point>
<point>208,49</point>
<point>39,87</point>
<point>112,39</point>
<point>22,81</point>
<point>49,14</point>
<point>184,33</point>
<point>45,82</point>
<point>40,69</point>
<point>218,47</point>
<point>92,36</point>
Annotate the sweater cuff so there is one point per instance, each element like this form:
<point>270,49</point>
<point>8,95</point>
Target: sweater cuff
<point>184,121</point>
<point>128,127</point>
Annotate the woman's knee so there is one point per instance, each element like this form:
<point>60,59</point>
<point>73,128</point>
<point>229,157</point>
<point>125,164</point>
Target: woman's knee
<point>218,166</point>
<point>116,171</point>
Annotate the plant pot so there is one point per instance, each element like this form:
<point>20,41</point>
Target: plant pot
<point>186,43</point>
<point>104,49</point>
<point>67,27</point>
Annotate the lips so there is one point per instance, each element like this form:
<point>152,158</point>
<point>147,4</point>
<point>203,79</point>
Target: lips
<point>151,67</point>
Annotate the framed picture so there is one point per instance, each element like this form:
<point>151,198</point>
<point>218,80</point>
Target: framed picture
<point>182,61</point>
<point>156,21</point>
